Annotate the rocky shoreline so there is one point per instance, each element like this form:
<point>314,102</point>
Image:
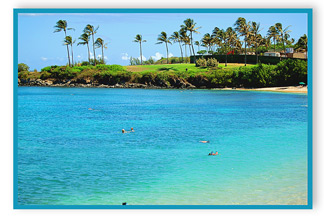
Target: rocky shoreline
<point>179,84</point>
<point>176,84</point>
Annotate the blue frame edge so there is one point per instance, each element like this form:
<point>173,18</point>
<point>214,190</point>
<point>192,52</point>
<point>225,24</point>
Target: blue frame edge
<point>309,12</point>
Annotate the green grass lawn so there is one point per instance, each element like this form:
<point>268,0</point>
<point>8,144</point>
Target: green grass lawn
<point>176,68</point>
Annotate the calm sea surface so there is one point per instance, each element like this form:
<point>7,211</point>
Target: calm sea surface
<point>69,154</point>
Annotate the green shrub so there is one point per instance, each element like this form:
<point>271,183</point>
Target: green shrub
<point>201,62</point>
<point>85,63</point>
<point>212,62</point>
<point>291,72</point>
<point>23,67</point>
<point>23,74</point>
<point>45,75</point>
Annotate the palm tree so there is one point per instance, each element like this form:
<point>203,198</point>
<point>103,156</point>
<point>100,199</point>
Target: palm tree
<point>255,29</point>
<point>215,39</point>
<point>185,39</point>
<point>68,41</point>
<point>89,29</point>
<point>85,37</point>
<point>302,43</point>
<point>243,29</point>
<point>139,39</point>
<point>273,33</point>
<point>190,25</point>
<point>61,25</point>
<point>176,37</point>
<point>230,40</point>
<point>197,43</point>
<point>163,38</point>
<point>101,43</point>
<point>283,33</point>
<point>207,41</point>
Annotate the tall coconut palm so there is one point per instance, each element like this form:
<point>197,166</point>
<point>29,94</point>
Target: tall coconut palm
<point>68,41</point>
<point>85,37</point>
<point>139,39</point>
<point>190,25</point>
<point>257,38</point>
<point>282,33</point>
<point>207,41</point>
<point>243,29</point>
<point>91,30</point>
<point>185,39</point>
<point>273,33</point>
<point>215,39</point>
<point>100,43</point>
<point>163,38</point>
<point>230,40</point>
<point>176,38</point>
<point>61,25</point>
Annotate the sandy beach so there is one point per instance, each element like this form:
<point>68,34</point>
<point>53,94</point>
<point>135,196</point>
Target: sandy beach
<point>288,89</point>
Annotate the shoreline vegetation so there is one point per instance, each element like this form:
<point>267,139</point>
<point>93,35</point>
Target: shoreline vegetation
<point>289,72</point>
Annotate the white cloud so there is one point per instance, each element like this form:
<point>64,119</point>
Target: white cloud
<point>79,56</point>
<point>99,56</point>
<point>170,55</point>
<point>91,55</point>
<point>44,58</point>
<point>157,56</point>
<point>125,56</point>
<point>143,58</point>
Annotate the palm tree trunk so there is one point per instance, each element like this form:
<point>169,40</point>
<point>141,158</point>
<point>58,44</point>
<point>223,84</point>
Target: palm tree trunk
<point>67,47</point>
<point>283,42</point>
<point>245,52</point>
<point>88,52</point>
<point>94,51</point>
<point>141,53</point>
<point>193,50</point>
<point>72,55</point>
<point>166,45</point>
<point>181,52</point>
<point>190,51</point>
<point>103,57</point>
<point>226,55</point>
<point>274,44</point>
<point>256,52</point>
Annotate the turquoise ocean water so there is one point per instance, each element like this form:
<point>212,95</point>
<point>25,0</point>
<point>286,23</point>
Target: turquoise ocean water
<point>70,155</point>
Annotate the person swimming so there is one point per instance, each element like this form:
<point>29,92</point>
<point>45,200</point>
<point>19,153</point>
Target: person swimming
<point>205,141</point>
<point>212,153</point>
<point>123,131</point>
<point>132,130</point>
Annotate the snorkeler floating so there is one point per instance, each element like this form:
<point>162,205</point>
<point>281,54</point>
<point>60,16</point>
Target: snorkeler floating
<point>132,130</point>
<point>212,153</point>
<point>205,141</point>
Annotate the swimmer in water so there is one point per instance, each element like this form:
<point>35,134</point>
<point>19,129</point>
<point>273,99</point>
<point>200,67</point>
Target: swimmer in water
<point>212,153</point>
<point>132,130</point>
<point>123,131</point>
<point>205,141</point>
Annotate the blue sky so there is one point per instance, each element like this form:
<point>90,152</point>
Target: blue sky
<point>38,46</point>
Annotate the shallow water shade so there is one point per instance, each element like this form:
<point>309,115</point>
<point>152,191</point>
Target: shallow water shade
<point>69,154</point>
